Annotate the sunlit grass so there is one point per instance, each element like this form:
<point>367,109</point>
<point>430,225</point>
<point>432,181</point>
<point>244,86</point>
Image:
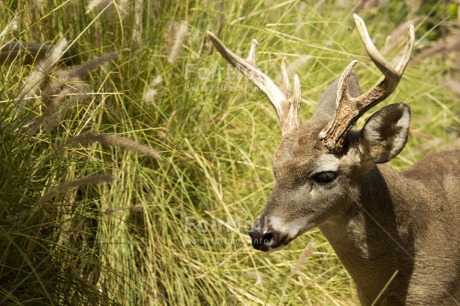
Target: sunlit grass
<point>172,230</point>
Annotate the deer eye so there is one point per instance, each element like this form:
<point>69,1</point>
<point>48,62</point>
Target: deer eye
<point>324,177</point>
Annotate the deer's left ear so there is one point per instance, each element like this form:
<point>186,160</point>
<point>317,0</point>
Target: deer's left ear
<point>385,133</point>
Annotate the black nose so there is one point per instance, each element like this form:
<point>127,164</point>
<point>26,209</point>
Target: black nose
<point>261,240</point>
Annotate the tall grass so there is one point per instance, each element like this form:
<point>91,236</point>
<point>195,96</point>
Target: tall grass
<point>86,218</point>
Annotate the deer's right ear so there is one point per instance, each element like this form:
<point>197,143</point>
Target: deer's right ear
<point>385,133</point>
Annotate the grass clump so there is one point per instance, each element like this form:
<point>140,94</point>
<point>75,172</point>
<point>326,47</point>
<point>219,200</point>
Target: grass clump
<point>91,214</point>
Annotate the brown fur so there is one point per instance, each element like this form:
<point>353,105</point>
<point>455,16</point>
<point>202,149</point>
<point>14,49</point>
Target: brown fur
<point>397,234</point>
<point>378,221</point>
<point>406,222</point>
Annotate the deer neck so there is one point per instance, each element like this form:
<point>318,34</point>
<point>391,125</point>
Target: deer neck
<point>371,237</point>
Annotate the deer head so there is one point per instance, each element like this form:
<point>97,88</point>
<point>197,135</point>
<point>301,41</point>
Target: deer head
<point>319,165</point>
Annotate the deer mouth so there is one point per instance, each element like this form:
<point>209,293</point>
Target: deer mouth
<point>267,241</point>
<point>279,244</point>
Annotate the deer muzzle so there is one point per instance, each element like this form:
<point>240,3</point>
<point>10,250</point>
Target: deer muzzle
<point>261,239</point>
<point>267,239</point>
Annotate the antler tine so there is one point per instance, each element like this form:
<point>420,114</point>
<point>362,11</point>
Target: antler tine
<point>295,104</point>
<point>252,53</point>
<point>349,109</point>
<point>407,51</point>
<point>285,77</point>
<point>286,107</point>
<point>392,75</point>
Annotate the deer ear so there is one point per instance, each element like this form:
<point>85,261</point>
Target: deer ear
<point>385,133</point>
<point>327,104</point>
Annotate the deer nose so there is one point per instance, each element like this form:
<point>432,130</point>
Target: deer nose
<point>261,240</point>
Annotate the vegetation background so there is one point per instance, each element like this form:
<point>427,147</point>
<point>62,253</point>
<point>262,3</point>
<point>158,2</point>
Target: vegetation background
<point>131,177</point>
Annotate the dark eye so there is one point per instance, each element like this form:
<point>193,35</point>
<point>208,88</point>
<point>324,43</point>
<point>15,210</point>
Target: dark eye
<point>324,177</point>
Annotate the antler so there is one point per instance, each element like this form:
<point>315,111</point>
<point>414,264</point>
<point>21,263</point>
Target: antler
<point>349,109</point>
<point>287,105</point>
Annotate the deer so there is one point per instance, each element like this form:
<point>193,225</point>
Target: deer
<point>396,233</point>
